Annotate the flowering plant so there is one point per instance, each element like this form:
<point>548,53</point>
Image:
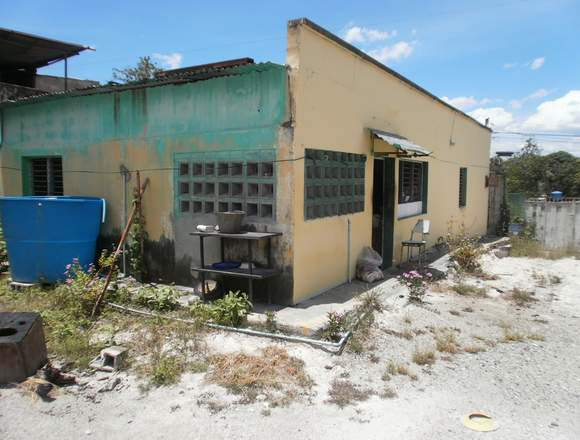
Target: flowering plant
<point>416,283</point>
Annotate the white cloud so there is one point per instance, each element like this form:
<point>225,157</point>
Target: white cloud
<point>465,102</point>
<point>358,34</point>
<point>396,52</point>
<point>561,114</point>
<point>169,60</point>
<point>538,94</point>
<point>536,63</point>
<point>499,118</point>
<point>509,65</point>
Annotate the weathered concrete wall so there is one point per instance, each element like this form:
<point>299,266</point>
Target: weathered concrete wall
<point>10,92</point>
<point>337,96</point>
<point>557,223</point>
<point>50,83</point>
<point>145,128</point>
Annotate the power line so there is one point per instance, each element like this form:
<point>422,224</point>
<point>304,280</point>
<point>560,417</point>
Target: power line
<point>531,133</point>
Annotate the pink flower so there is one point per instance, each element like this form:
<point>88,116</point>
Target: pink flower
<point>75,261</point>
<point>69,281</point>
<point>429,274</point>
<point>68,266</point>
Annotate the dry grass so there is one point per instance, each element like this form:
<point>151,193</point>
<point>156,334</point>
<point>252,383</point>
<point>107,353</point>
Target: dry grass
<point>464,289</point>
<point>511,335</point>
<point>343,393</point>
<point>407,333</point>
<point>423,357</point>
<point>488,342</point>
<point>395,369</point>
<point>522,297</point>
<point>536,337</point>
<point>446,342</point>
<point>388,393</point>
<point>407,318</point>
<point>473,349</point>
<point>454,312</point>
<point>273,370</point>
<point>525,247</point>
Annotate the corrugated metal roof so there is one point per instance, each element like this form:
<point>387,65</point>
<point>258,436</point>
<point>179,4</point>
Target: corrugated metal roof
<point>401,143</point>
<point>175,78</point>
<point>20,50</point>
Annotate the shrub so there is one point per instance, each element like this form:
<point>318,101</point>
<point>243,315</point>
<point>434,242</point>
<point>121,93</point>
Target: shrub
<point>335,326</point>
<point>231,310</point>
<point>159,299</point>
<point>167,371</point>
<point>416,283</point>
<point>343,393</point>
<point>4,265</point>
<point>465,250</point>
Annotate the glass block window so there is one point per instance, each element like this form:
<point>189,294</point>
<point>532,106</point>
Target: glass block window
<point>334,183</point>
<point>207,183</point>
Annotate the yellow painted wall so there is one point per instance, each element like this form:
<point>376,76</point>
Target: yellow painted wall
<point>336,96</point>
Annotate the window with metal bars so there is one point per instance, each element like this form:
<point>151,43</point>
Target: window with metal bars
<point>45,176</point>
<point>411,181</point>
<point>462,187</point>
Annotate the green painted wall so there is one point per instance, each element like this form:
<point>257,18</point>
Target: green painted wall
<point>241,111</point>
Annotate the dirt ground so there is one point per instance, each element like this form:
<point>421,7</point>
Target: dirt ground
<point>523,370</point>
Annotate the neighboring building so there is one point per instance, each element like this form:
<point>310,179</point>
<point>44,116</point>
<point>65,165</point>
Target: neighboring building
<point>22,54</point>
<point>330,143</point>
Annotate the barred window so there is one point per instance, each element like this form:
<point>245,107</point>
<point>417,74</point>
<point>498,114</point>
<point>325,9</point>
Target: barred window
<point>45,176</point>
<point>462,187</point>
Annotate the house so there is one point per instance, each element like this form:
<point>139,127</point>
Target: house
<point>334,150</point>
<point>21,55</point>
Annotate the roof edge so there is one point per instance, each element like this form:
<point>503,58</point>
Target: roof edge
<point>171,80</point>
<point>307,22</point>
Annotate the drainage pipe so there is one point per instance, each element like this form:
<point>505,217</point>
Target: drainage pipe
<point>348,246</point>
<point>339,346</point>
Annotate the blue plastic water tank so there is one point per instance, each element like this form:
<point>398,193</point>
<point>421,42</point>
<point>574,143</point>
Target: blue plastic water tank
<point>556,195</point>
<point>44,234</point>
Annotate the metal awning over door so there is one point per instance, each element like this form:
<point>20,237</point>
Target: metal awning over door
<point>402,145</point>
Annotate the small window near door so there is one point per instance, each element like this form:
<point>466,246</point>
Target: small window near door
<point>413,182</point>
<point>45,176</point>
<point>462,187</point>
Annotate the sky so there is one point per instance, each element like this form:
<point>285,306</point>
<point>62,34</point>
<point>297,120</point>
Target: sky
<point>516,62</point>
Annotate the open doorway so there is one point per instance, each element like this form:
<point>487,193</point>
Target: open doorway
<point>384,208</point>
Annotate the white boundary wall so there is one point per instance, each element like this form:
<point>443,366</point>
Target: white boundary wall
<point>557,223</point>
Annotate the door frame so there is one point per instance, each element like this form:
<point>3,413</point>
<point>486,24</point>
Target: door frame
<point>387,209</point>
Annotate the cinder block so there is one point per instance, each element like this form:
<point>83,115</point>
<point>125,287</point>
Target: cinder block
<point>22,345</point>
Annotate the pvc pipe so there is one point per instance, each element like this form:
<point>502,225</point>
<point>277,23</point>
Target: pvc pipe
<point>348,246</point>
<point>338,345</point>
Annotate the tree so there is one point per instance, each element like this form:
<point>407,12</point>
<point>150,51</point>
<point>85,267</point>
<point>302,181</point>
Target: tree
<point>531,173</point>
<point>143,71</point>
<point>524,170</point>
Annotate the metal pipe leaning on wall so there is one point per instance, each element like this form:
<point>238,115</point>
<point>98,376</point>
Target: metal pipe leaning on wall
<point>339,346</point>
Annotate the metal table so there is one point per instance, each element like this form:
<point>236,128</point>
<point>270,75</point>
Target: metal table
<point>251,273</point>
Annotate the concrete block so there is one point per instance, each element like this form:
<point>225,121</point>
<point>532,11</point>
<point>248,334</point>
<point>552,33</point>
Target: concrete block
<point>22,345</point>
<point>111,358</point>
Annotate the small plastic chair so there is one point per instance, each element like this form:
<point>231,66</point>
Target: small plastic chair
<point>421,227</point>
